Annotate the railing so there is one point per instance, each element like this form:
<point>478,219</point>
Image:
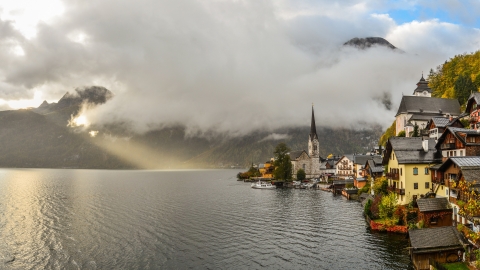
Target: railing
<point>399,191</point>
<point>446,146</point>
<point>394,176</point>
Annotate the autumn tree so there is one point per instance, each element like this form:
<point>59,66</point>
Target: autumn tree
<point>388,205</point>
<point>282,163</point>
<point>463,87</point>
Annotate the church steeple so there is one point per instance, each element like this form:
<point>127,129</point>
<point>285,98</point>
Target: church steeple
<point>313,128</point>
<point>313,144</point>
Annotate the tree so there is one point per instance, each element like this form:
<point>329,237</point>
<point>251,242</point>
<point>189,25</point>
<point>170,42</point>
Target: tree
<point>401,133</point>
<point>380,186</point>
<point>415,131</point>
<point>463,87</point>
<point>388,205</point>
<point>301,175</point>
<point>282,163</point>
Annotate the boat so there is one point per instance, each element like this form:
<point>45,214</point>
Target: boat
<point>263,185</point>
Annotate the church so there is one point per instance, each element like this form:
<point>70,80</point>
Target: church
<point>308,161</point>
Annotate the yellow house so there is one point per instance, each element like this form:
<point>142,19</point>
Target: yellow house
<point>267,169</point>
<point>408,161</point>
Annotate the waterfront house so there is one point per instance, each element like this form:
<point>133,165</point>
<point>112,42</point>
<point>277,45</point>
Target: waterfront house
<point>338,185</point>
<point>328,167</point>
<point>408,160</point>
<point>344,167</point>
<point>434,212</point>
<point>441,244</point>
<point>266,169</point>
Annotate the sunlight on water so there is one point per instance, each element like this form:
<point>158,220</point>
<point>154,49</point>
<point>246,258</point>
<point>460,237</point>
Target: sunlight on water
<point>88,219</point>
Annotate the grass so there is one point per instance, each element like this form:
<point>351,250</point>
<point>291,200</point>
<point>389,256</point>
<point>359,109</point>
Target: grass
<point>456,266</point>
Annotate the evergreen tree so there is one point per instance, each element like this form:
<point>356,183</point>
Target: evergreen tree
<point>415,131</point>
<point>301,175</point>
<point>463,87</point>
<point>283,165</point>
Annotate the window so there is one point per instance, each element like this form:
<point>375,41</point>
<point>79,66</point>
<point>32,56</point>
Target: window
<point>426,170</point>
<point>415,185</point>
<point>400,171</point>
<point>427,185</point>
<point>415,171</point>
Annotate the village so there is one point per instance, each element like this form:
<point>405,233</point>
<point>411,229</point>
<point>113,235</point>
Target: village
<point>424,182</point>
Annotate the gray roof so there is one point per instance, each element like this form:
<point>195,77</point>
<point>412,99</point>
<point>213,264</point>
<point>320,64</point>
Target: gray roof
<point>422,85</point>
<point>433,204</point>
<point>410,150</point>
<point>472,162</point>
<point>457,133</point>
<point>375,165</point>
<point>474,98</point>
<point>296,154</point>
<point>445,238</point>
<point>440,121</point>
<point>362,159</point>
<point>472,176</point>
<point>424,105</point>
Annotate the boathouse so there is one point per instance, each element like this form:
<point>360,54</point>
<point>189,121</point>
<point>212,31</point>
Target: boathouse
<point>442,244</point>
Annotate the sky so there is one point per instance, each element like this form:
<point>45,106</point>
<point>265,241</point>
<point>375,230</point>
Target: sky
<point>228,66</point>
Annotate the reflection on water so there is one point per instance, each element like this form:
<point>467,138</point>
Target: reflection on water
<point>93,219</point>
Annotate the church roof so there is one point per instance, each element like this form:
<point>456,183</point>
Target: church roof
<point>313,128</point>
<point>422,85</point>
<point>428,105</point>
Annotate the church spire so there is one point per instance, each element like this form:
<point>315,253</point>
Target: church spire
<point>313,128</point>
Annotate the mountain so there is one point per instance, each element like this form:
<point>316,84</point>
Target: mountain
<point>40,138</point>
<point>368,42</point>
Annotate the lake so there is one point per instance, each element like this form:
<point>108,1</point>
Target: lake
<point>202,219</point>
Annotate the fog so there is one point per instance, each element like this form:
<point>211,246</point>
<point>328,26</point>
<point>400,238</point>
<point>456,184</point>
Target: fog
<point>229,67</point>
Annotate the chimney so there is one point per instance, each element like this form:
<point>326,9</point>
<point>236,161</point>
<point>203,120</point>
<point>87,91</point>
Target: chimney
<point>425,144</point>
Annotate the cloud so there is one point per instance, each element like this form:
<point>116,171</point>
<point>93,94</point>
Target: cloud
<point>275,137</point>
<point>228,66</point>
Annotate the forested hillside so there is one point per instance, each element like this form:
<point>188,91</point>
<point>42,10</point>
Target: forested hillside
<point>456,78</point>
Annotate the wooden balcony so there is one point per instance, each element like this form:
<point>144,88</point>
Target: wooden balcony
<point>399,191</point>
<point>438,180</point>
<point>447,146</point>
<point>393,176</point>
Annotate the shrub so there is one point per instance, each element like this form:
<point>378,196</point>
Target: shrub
<point>367,210</point>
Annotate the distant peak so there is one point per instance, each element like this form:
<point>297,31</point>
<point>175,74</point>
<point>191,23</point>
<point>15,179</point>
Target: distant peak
<point>368,42</point>
<point>44,104</point>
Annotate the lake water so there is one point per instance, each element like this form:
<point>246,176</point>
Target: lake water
<point>95,219</point>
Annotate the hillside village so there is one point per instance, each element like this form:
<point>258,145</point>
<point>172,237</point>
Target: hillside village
<point>429,171</point>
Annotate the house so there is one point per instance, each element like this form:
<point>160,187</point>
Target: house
<point>421,107</point>
<point>344,167</point>
<point>441,244</point>
<point>437,125</point>
<point>408,160</point>
<point>473,110</point>
<point>328,167</point>
<point>266,169</point>
<point>308,161</point>
<point>459,142</point>
<point>434,212</point>
<point>453,171</point>
<point>359,162</point>
<point>374,168</point>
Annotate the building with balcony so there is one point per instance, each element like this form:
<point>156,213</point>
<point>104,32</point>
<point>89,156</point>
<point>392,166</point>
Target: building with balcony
<point>344,167</point>
<point>456,142</point>
<point>408,160</point>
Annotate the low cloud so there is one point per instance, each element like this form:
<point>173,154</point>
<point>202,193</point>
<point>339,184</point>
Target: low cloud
<point>275,137</point>
<point>229,67</point>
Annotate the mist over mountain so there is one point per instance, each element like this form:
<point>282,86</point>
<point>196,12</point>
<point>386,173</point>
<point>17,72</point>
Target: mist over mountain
<point>41,137</point>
